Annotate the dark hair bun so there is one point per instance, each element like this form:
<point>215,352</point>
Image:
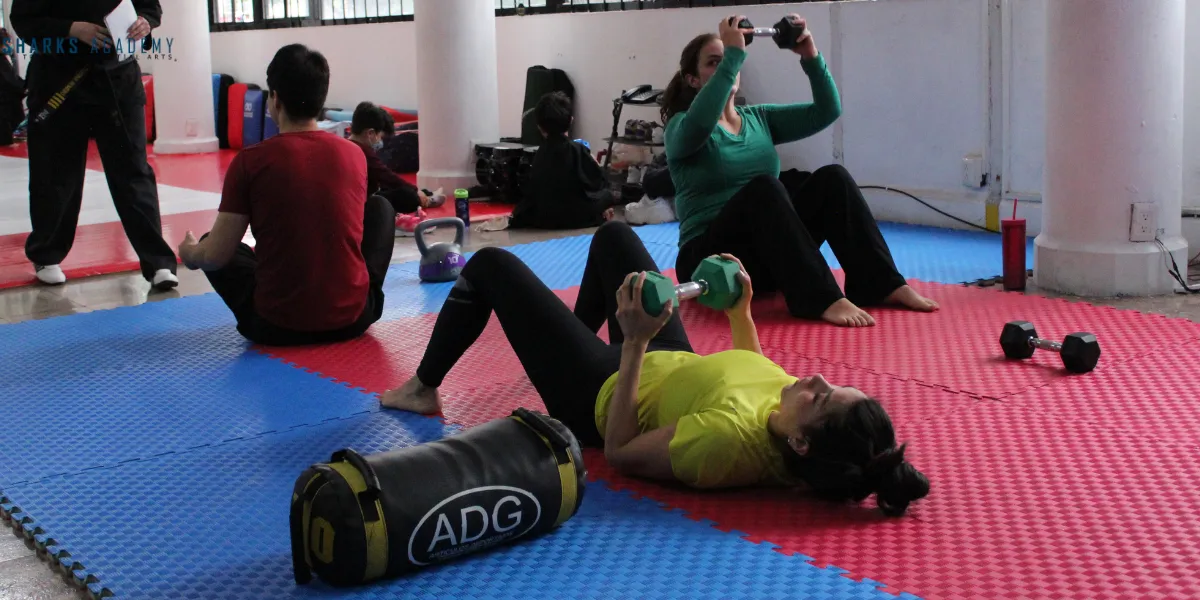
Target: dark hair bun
<point>897,483</point>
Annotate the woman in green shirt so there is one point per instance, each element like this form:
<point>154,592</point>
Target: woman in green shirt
<point>731,198</point>
<point>659,410</point>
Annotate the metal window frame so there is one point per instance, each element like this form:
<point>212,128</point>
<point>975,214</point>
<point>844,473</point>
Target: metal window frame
<point>552,7</point>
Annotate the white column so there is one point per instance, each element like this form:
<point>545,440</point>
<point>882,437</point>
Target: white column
<point>457,88</point>
<point>1191,112</point>
<point>183,82</point>
<point>1114,137</point>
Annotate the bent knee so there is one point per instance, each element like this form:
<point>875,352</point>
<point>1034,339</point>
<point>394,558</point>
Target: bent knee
<point>612,233</point>
<point>768,189</point>
<point>489,259</point>
<point>834,171</point>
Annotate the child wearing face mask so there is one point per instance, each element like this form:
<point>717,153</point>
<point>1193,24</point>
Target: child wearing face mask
<point>369,127</point>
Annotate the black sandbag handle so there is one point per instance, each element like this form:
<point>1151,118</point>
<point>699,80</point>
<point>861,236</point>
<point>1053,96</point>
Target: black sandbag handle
<point>536,423</point>
<point>367,498</point>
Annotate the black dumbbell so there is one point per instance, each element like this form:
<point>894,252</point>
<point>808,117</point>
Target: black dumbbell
<point>785,32</point>
<point>1080,351</point>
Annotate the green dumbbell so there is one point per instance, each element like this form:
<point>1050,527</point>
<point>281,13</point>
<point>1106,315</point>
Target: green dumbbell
<point>714,284</point>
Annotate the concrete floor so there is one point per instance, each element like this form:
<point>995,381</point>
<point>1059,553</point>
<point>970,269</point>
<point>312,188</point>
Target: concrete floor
<point>24,577</point>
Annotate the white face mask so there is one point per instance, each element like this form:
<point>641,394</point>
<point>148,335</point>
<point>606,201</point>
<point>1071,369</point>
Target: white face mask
<point>378,145</point>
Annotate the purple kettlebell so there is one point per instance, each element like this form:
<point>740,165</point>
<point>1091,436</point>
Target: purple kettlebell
<point>442,261</point>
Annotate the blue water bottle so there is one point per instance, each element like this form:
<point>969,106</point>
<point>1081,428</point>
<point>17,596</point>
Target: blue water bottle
<point>462,206</point>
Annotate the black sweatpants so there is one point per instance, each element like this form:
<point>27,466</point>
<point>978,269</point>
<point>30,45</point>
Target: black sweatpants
<point>235,284</point>
<point>776,228</point>
<point>58,162</point>
<point>564,359</point>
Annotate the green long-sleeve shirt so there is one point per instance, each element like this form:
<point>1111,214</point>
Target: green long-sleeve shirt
<point>709,165</point>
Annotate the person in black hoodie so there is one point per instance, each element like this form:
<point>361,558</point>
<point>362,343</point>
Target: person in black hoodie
<point>567,189</point>
<point>79,88</point>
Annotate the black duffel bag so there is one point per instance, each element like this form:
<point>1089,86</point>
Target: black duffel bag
<point>360,518</point>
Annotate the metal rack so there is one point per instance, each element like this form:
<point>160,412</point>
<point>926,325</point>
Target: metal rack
<point>616,138</point>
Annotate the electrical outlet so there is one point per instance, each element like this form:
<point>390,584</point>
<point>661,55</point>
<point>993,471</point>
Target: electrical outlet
<point>1142,225</point>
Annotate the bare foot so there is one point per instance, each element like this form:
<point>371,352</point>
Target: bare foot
<point>908,297</point>
<point>846,314</point>
<point>413,396</point>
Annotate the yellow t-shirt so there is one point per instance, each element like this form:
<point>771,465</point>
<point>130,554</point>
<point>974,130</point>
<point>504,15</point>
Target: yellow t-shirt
<point>719,404</point>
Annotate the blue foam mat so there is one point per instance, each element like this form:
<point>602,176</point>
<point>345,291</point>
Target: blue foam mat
<point>213,523</point>
<point>107,417</point>
<point>926,253</point>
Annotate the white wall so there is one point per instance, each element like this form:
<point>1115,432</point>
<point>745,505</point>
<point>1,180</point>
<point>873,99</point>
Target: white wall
<point>913,76</point>
<point>367,62</point>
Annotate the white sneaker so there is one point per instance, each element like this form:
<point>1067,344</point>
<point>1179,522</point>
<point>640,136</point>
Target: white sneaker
<point>164,280</point>
<point>50,274</point>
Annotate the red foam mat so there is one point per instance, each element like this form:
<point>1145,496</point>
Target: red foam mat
<point>1023,505</point>
<point>959,346</point>
<point>1152,396</point>
<point>389,353</point>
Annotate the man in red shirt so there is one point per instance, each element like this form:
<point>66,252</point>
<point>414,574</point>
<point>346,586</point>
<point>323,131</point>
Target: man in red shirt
<point>323,245</point>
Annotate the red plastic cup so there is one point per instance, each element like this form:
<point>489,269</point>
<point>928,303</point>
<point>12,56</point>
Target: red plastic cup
<point>1012,243</point>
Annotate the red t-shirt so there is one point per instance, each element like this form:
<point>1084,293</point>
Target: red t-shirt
<point>305,193</point>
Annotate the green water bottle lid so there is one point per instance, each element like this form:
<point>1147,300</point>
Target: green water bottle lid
<point>461,193</point>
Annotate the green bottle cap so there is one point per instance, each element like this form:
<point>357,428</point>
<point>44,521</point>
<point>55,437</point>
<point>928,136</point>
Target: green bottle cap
<point>461,193</point>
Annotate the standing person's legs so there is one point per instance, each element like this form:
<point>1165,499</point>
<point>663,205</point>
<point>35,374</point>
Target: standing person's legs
<point>57,166</point>
<point>564,360</point>
<point>121,138</point>
<point>617,251</point>
<point>832,208</point>
<point>760,227</point>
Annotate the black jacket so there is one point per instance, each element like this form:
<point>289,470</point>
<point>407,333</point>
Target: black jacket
<point>566,189</point>
<point>55,57</point>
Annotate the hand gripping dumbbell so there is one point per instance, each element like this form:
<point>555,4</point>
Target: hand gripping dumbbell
<point>714,284</point>
<point>785,32</point>
<point>1080,351</point>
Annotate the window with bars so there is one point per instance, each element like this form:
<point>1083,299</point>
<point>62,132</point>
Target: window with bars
<point>253,14</point>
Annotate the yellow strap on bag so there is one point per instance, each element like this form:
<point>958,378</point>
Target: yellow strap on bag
<point>567,470</point>
<point>375,530</point>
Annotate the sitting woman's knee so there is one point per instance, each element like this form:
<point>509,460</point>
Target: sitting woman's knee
<point>834,171</point>
<point>766,188</point>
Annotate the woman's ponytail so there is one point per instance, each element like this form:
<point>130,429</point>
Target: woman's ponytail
<point>679,95</point>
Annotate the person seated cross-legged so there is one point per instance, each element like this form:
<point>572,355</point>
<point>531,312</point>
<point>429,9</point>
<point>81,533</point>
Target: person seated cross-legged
<point>659,410</point>
<point>567,188</point>
<point>731,196</point>
<point>322,244</point>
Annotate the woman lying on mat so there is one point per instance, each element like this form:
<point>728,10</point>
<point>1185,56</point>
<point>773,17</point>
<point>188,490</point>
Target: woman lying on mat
<point>658,410</point>
<point>731,197</point>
